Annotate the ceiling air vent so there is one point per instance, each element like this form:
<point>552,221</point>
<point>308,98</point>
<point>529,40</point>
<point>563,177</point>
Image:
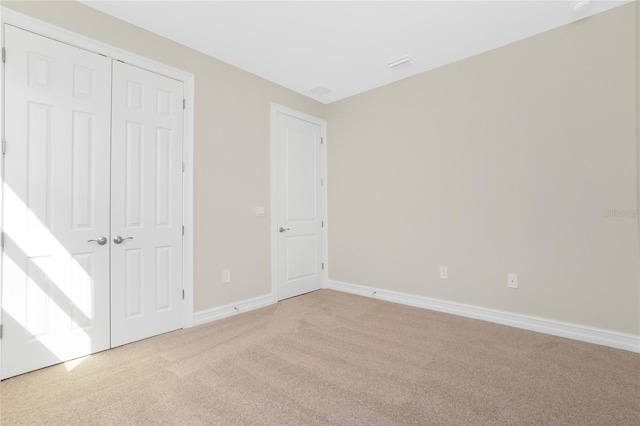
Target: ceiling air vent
<point>320,91</point>
<point>400,63</point>
<point>580,6</point>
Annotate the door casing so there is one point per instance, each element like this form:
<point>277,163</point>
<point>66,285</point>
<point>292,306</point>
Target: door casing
<point>9,16</point>
<point>275,110</point>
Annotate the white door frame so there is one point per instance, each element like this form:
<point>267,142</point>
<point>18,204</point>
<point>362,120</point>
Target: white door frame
<point>9,16</point>
<point>275,109</point>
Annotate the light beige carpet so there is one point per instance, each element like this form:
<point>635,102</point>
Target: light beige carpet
<point>329,358</point>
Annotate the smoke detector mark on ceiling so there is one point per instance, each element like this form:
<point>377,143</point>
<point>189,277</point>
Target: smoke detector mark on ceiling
<point>320,91</point>
<point>405,61</point>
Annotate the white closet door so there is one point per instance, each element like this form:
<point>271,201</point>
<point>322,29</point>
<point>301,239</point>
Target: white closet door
<point>146,267</point>
<point>55,282</point>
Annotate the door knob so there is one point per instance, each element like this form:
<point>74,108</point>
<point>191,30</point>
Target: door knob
<point>283,229</point>
<point>119,239</point>
<point>102,241</point>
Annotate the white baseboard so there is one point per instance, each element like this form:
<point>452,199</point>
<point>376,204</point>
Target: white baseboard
<point>583,333</point>
<point>202,317</point>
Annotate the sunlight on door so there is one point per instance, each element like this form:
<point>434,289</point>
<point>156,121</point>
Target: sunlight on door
<point>55,281</point>
<point>43,291</point>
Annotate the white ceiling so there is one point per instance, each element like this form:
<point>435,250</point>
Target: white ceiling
<point>345,46</point>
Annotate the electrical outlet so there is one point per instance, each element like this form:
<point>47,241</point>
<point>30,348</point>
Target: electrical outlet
<point>444,272</point>
<point>226,276</point>
<point>512,280</point>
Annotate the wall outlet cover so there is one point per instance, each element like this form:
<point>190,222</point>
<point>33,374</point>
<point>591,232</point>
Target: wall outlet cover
<point>444,272</point>
<point>512,280</point>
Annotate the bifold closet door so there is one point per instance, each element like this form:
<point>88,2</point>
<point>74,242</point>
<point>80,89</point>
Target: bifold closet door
<point>146,200</point>
<point>55,274</point>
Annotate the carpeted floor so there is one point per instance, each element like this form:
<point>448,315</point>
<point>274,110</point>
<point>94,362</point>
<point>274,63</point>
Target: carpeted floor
<point>330,358</point>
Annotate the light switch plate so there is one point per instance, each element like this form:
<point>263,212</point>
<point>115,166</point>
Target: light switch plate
<point>226,276</point>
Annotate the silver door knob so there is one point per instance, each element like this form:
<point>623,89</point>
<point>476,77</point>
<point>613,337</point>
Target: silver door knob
<point>102,241</point>
<point>119,239</point>
<point>283,229</point>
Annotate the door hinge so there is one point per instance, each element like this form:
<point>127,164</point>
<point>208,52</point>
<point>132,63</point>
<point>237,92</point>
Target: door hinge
<point>183,167</point>
<point>4,146</point>
<point>1,239</point>
<point>183,230</point>
<point>4,55</point>
<point>322,223</point>
<point>1,326</point>
<point>182,294</point>
<point>184,104</point>
<point>321,182</point>
<point>322,265</point>
<point>321,141</point>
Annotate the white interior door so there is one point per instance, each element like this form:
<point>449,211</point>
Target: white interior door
<point>299,201</point>
<point>146,266</point>
<point>55,281</point>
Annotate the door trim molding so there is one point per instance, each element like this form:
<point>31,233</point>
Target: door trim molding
<point>275,109</point>
<point>11,17</point>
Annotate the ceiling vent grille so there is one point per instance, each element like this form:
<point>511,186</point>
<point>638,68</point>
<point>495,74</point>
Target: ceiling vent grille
<point>405,61</point>
<point>320,91</point>
<point>580,6</point>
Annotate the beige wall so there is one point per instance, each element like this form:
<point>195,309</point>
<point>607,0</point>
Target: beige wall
<point>232,150</point>
<point>504,162</point>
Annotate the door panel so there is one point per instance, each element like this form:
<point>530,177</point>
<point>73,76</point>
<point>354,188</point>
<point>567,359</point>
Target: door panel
<point>56,198</point>
<point>299,206</point>
<point>146,270</point>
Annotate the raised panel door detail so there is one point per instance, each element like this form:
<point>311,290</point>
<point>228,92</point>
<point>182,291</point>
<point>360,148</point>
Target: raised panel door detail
<point>38,298</point>
<point>133,174</point>
<point>301,257</point>
<point>133,282</point>
<point>135,95</point>
<point>40,71</point>
<point>81,169</point>
<point>163,103</point>
<point>300,175</point>
<point>38,164</point>
<point>82,82</point>
<point>163,177</point>
<point>163,278</point>
<point>82,290</point>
